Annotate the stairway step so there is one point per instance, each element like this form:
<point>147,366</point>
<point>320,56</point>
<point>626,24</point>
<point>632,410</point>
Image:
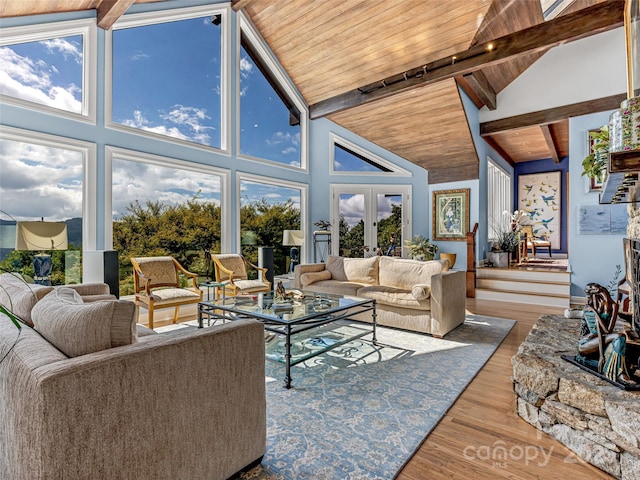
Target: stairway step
<point>518,286</point>
<point>562,301</point>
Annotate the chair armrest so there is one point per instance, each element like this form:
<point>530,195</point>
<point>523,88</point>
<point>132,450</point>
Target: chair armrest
<point>262,272</point>
<point>299,269</point>
<point>187,273</point>
<point>148,397</point>
<point>448,301</point>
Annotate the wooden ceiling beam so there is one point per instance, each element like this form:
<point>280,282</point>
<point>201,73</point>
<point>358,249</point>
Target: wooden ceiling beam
<point>542,117</point>
<point>109,11</point>
<point>548,138</point>
<point>481,86</point>
<point>589,21</point>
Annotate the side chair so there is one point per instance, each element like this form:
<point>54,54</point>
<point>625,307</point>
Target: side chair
<point>531,242</point>
<point>157,285</point>
<point>231,269</point>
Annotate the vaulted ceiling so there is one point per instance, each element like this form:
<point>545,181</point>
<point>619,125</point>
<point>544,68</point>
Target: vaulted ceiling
<point>389,70</point>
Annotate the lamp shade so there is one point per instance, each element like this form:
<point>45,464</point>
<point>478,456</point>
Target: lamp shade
<point>292,238</point>
<point>41,236</point>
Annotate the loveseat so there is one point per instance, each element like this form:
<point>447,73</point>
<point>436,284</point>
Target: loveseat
<point>85,393</point>
<point>410,294</point>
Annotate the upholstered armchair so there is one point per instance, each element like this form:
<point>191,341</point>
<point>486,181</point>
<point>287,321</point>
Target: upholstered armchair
<point>531,242</point>
<point>157,285</point>
<point>232,271</point>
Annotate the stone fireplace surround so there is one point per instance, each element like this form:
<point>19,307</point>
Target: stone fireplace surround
<point>595,419</point>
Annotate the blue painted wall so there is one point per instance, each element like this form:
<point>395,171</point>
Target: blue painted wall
<point>593,258</point>
<point>548,165</point>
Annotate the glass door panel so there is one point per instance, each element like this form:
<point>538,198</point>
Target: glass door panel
<point>351,212</point>
<point>389,224</point>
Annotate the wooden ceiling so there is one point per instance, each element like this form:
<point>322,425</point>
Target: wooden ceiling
<point>385,68</point>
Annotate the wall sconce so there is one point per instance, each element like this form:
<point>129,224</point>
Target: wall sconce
<point>293,239</point>
<point>41,236</point>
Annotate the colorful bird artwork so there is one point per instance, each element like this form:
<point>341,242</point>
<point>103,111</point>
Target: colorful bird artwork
<point>545,223</point>
<point>547,199</point>
<point>528,188</point>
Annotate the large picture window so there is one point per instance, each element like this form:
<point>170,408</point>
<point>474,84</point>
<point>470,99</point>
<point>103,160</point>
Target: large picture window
<point>47,67</point>
<point>272,119</point>
<point>164,207</point>
<point>42,181</point>
<point>499,198</point>
<point>266,211</point>
<point>167,76</point>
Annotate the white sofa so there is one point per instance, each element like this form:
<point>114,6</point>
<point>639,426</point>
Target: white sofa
<point>410,294</point>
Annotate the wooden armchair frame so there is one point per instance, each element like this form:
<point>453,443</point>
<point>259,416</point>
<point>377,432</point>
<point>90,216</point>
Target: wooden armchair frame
<point>162,289</point>
<point>531,242</point>
<point>237,282</point>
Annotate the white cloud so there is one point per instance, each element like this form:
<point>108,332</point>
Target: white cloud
<point>21,77</point>
<point>48,181</point>
<point>352,209</point>
<point>246,67</point>
<point>189,118</point>
<point>289,150</point>
<point>138,55</point>
<point>66,48</point>
<point>139,181</point>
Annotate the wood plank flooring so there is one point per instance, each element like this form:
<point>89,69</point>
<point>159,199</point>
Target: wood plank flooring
<point>481,437</point>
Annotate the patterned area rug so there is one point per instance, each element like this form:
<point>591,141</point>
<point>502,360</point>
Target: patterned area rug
<point>359,411</point>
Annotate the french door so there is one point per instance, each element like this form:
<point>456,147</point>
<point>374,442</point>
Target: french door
<point>365,219</point>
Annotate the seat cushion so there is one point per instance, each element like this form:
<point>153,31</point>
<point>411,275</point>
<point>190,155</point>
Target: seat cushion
<point>250,286</point>
<point>77,328</point>
<point>172,295</point>
<point>336,286</point>
<point>19,296</point>
<point>397,297</point>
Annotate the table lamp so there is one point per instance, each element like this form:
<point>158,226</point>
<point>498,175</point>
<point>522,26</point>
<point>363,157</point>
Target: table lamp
<point>293,239</point>
<point>41,236</point>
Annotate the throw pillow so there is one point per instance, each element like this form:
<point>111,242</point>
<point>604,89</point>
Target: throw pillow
<point>363,270</point>
<point>313,277</point>
<point>19,296</point>
<point>335,265</point>
<point>421,291</point>
<point>77,328</point>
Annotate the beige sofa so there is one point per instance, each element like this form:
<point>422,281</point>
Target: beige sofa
<point>410,294</point>
<point>184,404</point>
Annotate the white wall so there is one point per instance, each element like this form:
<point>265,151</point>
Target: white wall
<point>586,69</point>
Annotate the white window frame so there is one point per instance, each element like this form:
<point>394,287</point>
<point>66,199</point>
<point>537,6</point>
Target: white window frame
<point>246,27</point>
<point>275,182</point>
<point>89,173</point>
<point>395,170</point>
<point>165,16</point>
<point>134,156</point>
<point>46,31</point>
<point>499,195</point>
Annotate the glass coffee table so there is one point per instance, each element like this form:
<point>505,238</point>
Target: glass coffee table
<point>298,323</point>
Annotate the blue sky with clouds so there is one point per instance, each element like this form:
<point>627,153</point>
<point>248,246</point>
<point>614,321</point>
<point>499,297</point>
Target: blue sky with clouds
<point>166,80</point>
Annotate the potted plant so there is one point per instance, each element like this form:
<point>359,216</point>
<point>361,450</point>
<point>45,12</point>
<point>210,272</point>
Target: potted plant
<point>594,165</point>
<point>420,248</point>
<point>507,238</point>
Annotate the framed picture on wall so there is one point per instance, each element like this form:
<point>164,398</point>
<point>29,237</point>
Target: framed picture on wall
<point>540,197</point>
<point>450,214</point>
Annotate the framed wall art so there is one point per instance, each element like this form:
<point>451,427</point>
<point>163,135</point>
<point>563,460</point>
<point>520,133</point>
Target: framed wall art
<point>540,197</point>
<point>450,214</point>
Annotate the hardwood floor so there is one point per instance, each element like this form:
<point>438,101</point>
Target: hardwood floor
<point>481,437</point>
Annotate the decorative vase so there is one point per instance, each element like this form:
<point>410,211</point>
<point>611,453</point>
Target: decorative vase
<point>499,259</point>
<point>449,256</point>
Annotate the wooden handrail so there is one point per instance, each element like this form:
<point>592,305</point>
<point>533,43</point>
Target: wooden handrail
<point>471,262</point>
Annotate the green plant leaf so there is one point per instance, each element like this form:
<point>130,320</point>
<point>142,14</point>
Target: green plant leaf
<point>11,316</point>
